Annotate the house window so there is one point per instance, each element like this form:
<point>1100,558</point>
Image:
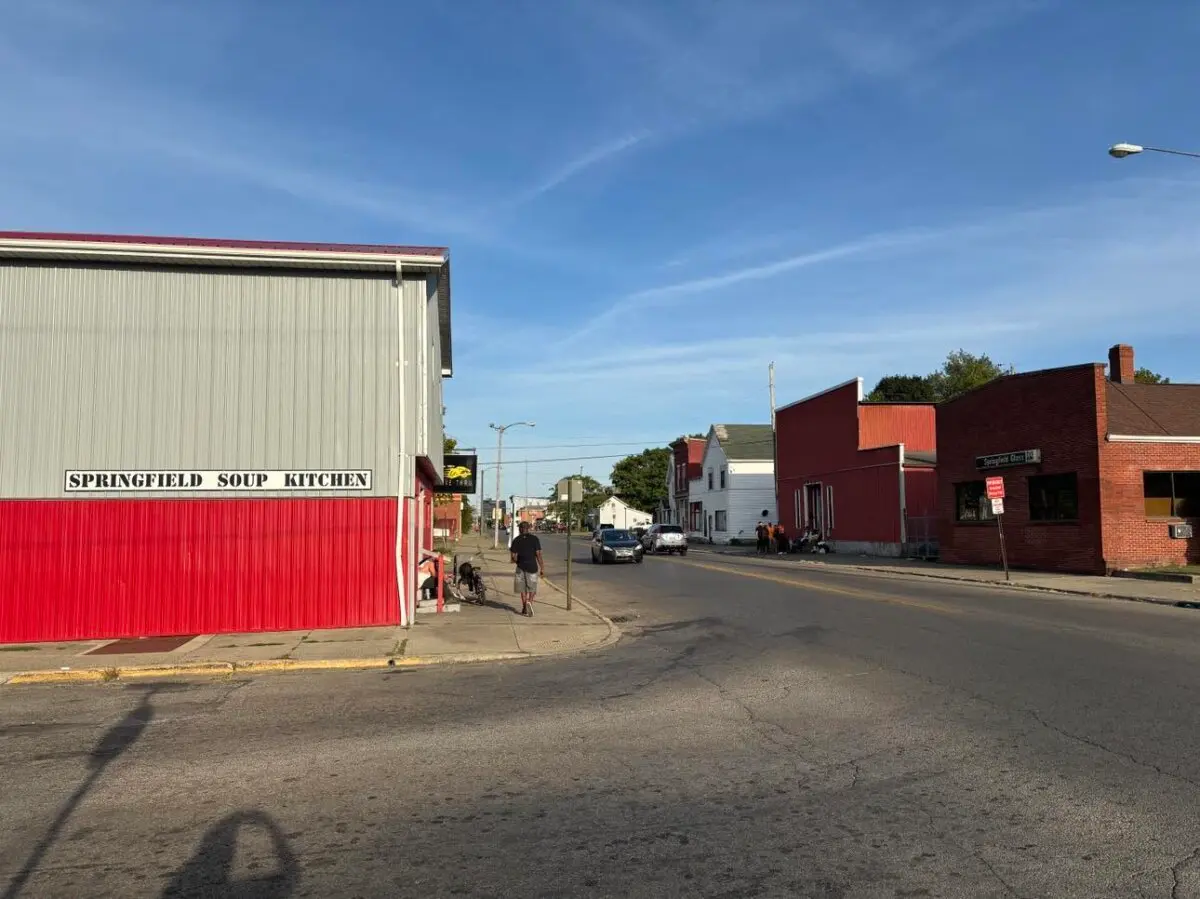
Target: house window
<point>722,478</point>
<point>829,502</point>
<point>799,510</point>
<point>1054,497</point>
<point>971,502</point>
<point>710,479</point>
<point>1172,494</point>
<point>719,520</point>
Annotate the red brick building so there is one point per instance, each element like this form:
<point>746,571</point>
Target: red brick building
<point>861,474</point>
<point>686,455</point>
<point>1101,473</point>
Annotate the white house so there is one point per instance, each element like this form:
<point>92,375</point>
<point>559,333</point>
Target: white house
<point>736,489</point>
<point>621,515</point>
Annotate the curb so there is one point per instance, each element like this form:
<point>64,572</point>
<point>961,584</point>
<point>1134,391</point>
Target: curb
<point>273,666</point>
<point>614,632</point>
<point>1007,585</point>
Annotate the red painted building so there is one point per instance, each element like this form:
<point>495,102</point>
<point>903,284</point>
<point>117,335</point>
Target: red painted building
<point>861,474</point>
<point>1100,473</point>
<point>206,436</point>
<point>687,454</point>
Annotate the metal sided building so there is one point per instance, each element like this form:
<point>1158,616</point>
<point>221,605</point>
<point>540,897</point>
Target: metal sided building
<point>203,436</point>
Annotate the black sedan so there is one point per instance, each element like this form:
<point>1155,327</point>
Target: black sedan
<point>613,545</point>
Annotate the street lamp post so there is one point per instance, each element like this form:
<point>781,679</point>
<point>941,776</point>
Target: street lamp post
<point>1120,151</point>
<point>500,429</point>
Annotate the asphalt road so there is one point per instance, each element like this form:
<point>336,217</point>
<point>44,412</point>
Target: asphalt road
<point>760,731</point>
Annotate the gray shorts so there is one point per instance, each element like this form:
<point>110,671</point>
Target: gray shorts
<point>525,581</point>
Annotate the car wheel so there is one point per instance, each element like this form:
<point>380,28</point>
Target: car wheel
<point>638,559</point>
<point>593,557</point>
<point>683,552</point>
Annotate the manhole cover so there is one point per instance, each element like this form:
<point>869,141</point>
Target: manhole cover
<point>139,644</point>
<point>622,619</point>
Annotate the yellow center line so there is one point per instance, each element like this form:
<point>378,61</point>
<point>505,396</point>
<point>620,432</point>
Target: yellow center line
<point>746,571</point>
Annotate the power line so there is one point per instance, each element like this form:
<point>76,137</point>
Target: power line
<point>649,444</point>
<point>747,443</point>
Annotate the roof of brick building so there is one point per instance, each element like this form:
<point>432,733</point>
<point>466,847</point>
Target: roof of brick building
<point>1154,410</point>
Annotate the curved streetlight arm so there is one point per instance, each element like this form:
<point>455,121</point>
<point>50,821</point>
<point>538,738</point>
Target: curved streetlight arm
<point>1120,151</point>
<point>500,429</point>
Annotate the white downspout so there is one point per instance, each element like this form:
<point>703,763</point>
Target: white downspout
<point>402,576</point>
<point>903,505</point>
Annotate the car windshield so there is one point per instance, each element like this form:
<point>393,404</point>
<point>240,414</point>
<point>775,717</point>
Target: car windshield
<point>671,529</point>
<point>614,536</point>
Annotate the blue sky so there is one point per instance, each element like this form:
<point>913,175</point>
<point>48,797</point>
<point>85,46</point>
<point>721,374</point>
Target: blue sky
<point>647,202</point>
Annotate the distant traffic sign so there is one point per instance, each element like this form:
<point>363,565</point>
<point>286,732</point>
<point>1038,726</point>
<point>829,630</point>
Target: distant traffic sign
<point>995,488</point>
<point>998,507</point>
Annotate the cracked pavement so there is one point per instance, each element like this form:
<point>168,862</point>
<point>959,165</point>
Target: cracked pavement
<point>822,735</point>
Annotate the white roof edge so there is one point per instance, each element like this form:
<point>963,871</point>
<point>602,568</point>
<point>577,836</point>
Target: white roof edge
<point>813,396</point>
<point>31,247</point>
<point>1151,438</point>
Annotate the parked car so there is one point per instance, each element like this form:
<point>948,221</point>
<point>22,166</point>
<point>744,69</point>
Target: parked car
<point>615,545</point>
<point>665,538</point>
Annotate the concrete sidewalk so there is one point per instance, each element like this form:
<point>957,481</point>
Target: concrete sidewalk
<point>492,632</point>
<point>1084,585</point>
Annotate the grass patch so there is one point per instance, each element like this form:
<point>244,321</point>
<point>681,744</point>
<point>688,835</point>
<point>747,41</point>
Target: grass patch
<point>108,675</point>
<point>247,645</point>
<point>1171,569</point>
<point>21,648</point>
<point>399,648</point>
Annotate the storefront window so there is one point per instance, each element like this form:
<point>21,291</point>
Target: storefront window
<point>1172,494</point>
<point>1054,497</point>
<point>971,502</point>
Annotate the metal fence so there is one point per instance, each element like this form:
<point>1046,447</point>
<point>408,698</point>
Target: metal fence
<point>922,532</point>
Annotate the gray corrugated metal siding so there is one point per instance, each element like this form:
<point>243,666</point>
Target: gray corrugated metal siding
<point>122,368</point>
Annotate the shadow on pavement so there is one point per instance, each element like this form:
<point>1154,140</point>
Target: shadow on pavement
<point>210,871</point>
<point>111,746</point>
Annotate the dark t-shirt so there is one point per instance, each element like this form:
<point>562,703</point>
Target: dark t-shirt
<point>526,547</point>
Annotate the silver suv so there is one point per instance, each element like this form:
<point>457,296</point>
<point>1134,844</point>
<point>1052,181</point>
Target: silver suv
<point>665,538</point>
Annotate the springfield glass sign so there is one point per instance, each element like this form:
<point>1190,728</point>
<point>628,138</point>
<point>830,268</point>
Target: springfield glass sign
<point>1008,460</point>
<point>147,481</point>
<point>458,474</point>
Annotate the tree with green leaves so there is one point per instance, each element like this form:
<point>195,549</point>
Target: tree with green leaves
<point>1145,376</point>
<point>962,371</point>
<point>594,493</point>
<point>641,480</point>
<point>902,389</point>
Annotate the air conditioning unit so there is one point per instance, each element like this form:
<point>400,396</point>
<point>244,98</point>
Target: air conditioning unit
<point>1181,531</point>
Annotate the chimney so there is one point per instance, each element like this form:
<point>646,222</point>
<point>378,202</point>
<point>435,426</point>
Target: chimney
<point>1120,364</point>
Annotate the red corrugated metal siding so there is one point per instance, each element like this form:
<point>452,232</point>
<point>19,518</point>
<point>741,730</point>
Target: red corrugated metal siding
<point>884,425</point>
<point>120,568</point>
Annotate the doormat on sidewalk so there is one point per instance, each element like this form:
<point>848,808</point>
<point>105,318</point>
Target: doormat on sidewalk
<point>139,644</point>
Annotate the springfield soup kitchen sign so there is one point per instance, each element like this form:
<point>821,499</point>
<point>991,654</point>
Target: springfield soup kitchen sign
<point>145,481</point>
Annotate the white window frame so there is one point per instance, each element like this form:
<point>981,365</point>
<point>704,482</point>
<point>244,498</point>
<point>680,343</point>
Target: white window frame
<point>829,504</point>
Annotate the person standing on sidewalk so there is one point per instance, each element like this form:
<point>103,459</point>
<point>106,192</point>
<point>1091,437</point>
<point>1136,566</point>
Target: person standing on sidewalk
<point>760,534</point>
<point>526,553</point>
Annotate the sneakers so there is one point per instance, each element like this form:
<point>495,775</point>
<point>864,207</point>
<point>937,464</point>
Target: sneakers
<point>527,610</point>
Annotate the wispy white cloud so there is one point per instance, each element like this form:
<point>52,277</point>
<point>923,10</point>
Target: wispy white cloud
<point>594,157</point>
<point>713,65</point>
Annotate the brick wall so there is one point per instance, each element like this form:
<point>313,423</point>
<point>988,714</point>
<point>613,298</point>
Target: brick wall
<point>1057,411</point>
<point>1130,539</point>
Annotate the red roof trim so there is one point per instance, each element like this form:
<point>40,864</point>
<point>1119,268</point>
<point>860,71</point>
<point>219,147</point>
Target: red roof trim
<point>221,243</point>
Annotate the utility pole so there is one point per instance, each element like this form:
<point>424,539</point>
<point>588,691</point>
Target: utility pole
<point>774,438</point>
<point>500,429</point>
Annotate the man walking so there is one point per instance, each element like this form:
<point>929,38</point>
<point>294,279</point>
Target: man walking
<point>760,533</point>
<point>526,554</point>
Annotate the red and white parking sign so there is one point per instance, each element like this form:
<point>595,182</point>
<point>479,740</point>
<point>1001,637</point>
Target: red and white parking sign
<point>995,488</point>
